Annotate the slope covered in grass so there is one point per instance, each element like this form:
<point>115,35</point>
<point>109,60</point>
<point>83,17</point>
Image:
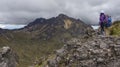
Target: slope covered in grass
<point>115,29</point>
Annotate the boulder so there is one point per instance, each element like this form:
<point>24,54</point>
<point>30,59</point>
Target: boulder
<point>8,58</point>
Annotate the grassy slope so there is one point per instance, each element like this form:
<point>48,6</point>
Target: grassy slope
<point>115,29</point>
<point>29,49</point>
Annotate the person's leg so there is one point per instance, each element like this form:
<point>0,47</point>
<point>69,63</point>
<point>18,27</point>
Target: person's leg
<point>102,28</point>
<point>105,29</point>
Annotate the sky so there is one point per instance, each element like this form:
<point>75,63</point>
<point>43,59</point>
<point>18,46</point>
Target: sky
<point>22,12</point>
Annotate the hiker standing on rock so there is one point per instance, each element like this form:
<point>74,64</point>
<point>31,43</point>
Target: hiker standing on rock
<point>102,22</point>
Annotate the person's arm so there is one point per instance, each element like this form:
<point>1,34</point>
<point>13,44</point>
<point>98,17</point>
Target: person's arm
<point>100,21</point>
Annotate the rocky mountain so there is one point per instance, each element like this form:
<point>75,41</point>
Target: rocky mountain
<point>93,52</point>
<point>62,24</point>
<point>43,36</point>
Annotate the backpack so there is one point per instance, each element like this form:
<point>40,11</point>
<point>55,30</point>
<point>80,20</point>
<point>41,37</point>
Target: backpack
<point>109,22</point>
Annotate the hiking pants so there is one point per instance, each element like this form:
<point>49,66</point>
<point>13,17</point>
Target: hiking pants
<point>102,27</point>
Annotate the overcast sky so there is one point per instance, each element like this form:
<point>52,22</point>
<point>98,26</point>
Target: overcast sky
<point>24,11</point>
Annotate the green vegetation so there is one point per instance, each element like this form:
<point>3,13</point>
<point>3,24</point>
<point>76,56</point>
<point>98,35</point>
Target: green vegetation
<point>26,48</point>
<point>115,29</point>
<point>29,49</point>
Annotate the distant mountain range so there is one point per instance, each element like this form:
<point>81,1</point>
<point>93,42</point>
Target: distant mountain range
<point>42,36</point>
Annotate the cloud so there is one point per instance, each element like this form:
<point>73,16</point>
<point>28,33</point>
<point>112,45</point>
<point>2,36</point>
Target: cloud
<point>25,11</point>
<point>11,26</point>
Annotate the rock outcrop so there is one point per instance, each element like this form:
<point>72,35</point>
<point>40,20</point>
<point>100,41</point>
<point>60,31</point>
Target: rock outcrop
<point>92,52</point>
<point>8,58</point>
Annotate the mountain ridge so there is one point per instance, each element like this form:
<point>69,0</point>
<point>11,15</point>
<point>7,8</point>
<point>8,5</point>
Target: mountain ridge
<point>42,36</point>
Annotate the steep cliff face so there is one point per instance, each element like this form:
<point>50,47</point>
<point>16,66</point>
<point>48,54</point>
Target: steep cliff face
<point>8,58</point>
<point>92,52</point>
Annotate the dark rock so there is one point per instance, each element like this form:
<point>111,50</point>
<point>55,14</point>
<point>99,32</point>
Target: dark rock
<point>8,58</point>
<point>52,63</point>
<point>90,53</point>
<point>100,60</point>
<point>103,45</point>
<point>118,42</point>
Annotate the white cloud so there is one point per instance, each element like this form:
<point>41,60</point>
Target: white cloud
<point>2,26</point>
<point>11,26</point>
<point>25,11</point>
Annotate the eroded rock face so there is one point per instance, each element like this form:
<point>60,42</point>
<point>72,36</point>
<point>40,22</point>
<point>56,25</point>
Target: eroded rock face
<point>7,57</point>
<point>94,52</point>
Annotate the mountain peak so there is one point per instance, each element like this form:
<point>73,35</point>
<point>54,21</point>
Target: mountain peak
<point>37,21</point>
<point>62,16</point>
<point>62,21</point>
<point>40,20</point>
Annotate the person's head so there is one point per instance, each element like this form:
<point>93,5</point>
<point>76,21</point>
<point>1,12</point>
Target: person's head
<point>101,13</point>
<point>108,16</point>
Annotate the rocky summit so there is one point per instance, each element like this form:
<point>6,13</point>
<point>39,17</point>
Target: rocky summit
<point>93,52</point>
